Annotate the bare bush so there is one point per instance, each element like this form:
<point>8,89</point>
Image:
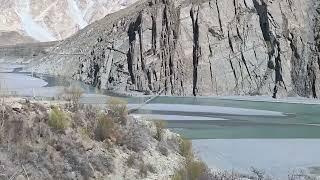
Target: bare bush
<point>131,161</point>
<point>160,126</point>
<point>3,92</point>
<point>145,168</point>
<point>73,94</point>
<point>193,169</point>
<point>162,148</point>
<point>300,175</point>
<point>259,174</point>
<point>137,138</point>
<point>186,148</point>
<point>104,128</point>
<point>118,110</point>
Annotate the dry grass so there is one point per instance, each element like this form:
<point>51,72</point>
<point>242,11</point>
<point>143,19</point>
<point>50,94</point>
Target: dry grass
<point>131,160</point>
<point>73,94</point>
<point>58,119</point>
<point>185,147</point>
<point>118,110</point>
<point>3,91</point>
<point>145,168</point>
<point>104,128</point>
<point>193,169</point>
<point>85,133</point>
<point>160,126</point>
<point>2,106</point>
<point>162,148</point>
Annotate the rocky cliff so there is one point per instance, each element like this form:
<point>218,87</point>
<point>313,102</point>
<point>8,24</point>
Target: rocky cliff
<point>199,47</point>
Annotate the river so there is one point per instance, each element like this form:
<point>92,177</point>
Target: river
<point>228,133</point>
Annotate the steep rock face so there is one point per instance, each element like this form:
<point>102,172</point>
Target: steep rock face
<point>208,47</point>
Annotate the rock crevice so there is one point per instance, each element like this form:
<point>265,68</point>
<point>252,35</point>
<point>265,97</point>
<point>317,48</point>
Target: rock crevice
<point>208,47</point>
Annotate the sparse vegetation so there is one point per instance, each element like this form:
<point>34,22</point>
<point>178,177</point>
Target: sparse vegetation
<point>32,135</point>
<point>143,171</point>
<point>4,92</point>
<point>145,168</point>
<point>2,110</point>
<point>163,149</point>
<point>131,160</point>
<point>104,128</point>
<point>193,169</point>
<point>73,94</point>
<point>185,147</point>
<point>118,110</point>
<point>85,132</point>
<point>160,126</point>
<point>58,119</point>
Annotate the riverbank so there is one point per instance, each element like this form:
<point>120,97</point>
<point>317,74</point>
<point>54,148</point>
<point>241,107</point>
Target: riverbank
<point>228,119</point>
<point>58,140</point>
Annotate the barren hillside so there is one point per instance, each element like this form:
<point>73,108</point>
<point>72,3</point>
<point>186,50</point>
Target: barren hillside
<point>49,20</point>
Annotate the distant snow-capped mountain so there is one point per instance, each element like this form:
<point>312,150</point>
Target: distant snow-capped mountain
<point>49,20</point>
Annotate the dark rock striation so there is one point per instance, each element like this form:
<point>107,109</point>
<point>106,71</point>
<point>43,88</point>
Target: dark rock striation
<point>199,47</point>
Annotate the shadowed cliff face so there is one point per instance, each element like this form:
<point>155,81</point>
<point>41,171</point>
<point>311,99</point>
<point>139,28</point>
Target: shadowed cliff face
<point>209,47</point>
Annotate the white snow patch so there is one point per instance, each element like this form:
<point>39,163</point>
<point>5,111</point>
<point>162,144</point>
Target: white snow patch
<point>31,27</point>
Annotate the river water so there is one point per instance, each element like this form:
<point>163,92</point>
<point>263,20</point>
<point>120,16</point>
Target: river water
<point>228,133</point>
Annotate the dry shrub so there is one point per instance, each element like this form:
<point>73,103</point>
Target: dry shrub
<point>186,148</point>
<point>104,128</point>
<point>301,175</point>
<point>90,112</point>
<point>258,173</point>
<point>160,126</point>
<point>3,120</point>
<point>162,148</point>
<point>137,138</point>
<point>145,168</point>
<point>58,119</point>
<point>131,161</point>
<point>86,117</point>
<point>73,94</point>
<point>90,115</point>
<point>118,110</point>
<point>85,133</point>
<point>193,169</point>
<point>3,91</point>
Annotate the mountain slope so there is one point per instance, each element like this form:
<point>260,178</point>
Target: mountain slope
<point>49,20</point>
<point>207,47</point>
<point>12,37</point>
